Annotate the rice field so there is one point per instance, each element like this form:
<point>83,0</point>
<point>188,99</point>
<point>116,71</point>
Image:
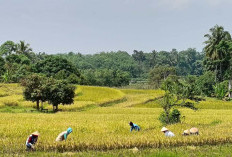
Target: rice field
<point>99,119</point>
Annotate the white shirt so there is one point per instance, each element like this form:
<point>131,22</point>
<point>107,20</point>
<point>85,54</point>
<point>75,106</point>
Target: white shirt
<point>169,134</point>
<point>60,137</point>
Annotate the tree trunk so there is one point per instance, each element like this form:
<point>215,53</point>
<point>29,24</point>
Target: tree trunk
<point>37,104</point>
<point>216,73</point>
<point>167,115</point>
<point>220,71</point>
<point>229,88</point>
<point>55,108</point>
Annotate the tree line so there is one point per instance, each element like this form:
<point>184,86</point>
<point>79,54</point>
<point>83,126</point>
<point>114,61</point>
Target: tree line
<point>18,60</point>
<point>182,74</point>
<point>209,70</point>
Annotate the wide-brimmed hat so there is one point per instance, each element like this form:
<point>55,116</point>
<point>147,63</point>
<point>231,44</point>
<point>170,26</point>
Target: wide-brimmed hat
<point>36,133</point>
<point>194,130</point>
<point>186,132</point>
<point>164,129</point>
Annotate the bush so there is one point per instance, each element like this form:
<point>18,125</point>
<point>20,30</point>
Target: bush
<point>174,117</point>
<point>221,89</point>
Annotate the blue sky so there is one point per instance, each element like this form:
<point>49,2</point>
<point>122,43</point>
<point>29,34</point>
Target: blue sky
<point>91,26</point>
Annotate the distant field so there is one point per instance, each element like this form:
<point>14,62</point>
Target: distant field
<point>99,119</point>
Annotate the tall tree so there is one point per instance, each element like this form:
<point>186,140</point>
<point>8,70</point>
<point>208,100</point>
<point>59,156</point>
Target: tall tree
<point>7,48</point>
<point>59,92</point>
<point>34,88</point>
<point>23,48</point>
<point>54,64</point>
<point>217,34</point>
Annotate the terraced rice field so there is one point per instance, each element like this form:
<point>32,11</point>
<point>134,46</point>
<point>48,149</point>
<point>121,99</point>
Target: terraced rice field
<point>99,119</point>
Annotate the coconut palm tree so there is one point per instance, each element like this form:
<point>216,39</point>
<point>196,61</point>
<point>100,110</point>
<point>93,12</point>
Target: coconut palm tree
<point>23,48</point>
<point>217,34</point>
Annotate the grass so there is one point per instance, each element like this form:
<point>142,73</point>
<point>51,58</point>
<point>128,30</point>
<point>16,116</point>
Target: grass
<point>136,97</point>
<point>85,97</point>
<point>184,151</point>
<point>99,119</point>
<point>107,129</point>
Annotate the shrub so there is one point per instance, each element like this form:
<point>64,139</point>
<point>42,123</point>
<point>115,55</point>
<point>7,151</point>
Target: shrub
<point>221,89</point>
<point>173,117</point>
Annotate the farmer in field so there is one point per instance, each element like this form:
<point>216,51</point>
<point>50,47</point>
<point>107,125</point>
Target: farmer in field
<point>192,131</point>
<point>167,133</point>
<point>134,127</point>
<point>186,133</point>
<point>63,136</point>
<point>31,140</point>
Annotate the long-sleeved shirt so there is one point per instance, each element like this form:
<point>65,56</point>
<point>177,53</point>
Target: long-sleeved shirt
<point>135,127</point>
<point>62,136</point>
<point>31,140</point>
<point>169,134</point>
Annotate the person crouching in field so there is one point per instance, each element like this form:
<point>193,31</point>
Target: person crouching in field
<point>63,136</point>
<point>134,127</point>
<point>192,131</point>
<point>167,133</point>
<point>31,140</point>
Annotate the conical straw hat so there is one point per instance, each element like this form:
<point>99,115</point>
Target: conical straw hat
<point>186,132</point>
<point>164,129</point>
<point>36,133</point>
<point>194,130</point>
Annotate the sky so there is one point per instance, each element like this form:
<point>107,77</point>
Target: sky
<point>93,26</point>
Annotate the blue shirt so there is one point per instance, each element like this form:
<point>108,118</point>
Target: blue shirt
<point>135,127</point>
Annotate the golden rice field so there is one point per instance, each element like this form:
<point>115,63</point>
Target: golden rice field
<point>100,117</point>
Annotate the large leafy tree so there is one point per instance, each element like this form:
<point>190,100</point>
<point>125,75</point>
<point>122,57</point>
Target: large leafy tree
<point>34,88</point>
<point>59,92</point>
<point>54,64</point>
<point>40,88</point>
<point>7,48</point>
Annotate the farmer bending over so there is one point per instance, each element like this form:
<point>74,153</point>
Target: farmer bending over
<point>31,140</point>
<point>134,127</point>
<point>192,131</point>
<point>167,132</point>
<point>63,136</point>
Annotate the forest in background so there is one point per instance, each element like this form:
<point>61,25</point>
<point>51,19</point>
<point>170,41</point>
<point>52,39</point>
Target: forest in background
<point>206,72</point>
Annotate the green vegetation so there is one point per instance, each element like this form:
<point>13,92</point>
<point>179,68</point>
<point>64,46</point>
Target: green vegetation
<point>99,116</point>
